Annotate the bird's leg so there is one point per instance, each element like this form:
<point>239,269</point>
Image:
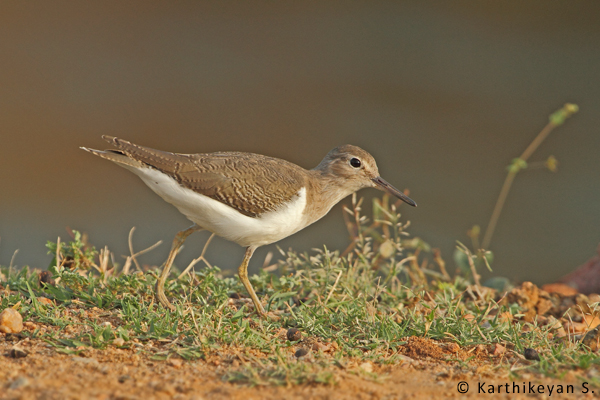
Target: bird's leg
<point>243,272</point>
<point>160,283</point>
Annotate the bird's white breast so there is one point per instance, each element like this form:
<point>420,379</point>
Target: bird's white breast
<point>223,220</point>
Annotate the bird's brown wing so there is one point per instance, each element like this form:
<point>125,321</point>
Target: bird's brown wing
<point>250,183</point>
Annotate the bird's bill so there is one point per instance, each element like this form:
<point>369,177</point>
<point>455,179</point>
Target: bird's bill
<point>383,185</point>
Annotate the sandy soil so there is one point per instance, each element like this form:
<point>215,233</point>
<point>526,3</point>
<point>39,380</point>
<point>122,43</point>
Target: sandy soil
<point>114,373</point>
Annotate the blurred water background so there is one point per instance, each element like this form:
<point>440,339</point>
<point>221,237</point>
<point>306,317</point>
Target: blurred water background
<point>443,94</point>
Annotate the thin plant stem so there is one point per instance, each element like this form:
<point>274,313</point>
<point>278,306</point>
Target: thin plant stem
<point>556,119</point>
<point>489,232</point>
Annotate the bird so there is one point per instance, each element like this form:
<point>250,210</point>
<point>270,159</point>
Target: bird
<point>250,199</point>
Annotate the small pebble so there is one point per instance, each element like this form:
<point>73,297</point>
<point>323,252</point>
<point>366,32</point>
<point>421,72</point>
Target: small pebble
<point>14,337</point>
<point>453,347</point>
<point>497,349</point>
<point>45,301</point>
<point>367,367</point>
<point>19,383</point>
<point>531,354</point>
<point>301,352</point>
<point>135,360</point>
<point>118,342</point>
<point>11,321</point>
<point>124,378</point>
<point>17,352</point>
<point>293,335</point>
<point>46,278</point>
<point>321,347</point>
<point>592,338</point>
<point>86,361</point>
<point>175,362</point>
<point>165,388</point>
<point>29,325</point>
<point>406,359</point>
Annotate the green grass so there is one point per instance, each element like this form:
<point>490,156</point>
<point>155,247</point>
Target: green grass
<point>364,305</point>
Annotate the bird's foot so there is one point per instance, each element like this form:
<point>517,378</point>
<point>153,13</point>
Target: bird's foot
<point>159,292</point>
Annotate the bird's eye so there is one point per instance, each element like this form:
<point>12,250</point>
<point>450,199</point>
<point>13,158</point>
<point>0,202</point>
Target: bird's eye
<point>355,162</point>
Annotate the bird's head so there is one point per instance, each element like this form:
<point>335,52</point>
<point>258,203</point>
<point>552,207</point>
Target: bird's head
<point>358,170</point>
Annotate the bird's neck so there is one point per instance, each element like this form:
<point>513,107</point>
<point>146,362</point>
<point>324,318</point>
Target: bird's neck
<point>324,190</point>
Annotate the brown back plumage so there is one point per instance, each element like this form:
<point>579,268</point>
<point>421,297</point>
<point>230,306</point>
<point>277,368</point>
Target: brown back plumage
<point>250,183</point>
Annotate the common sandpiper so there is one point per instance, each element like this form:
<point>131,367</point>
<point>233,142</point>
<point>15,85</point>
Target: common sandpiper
<point>247,198</point>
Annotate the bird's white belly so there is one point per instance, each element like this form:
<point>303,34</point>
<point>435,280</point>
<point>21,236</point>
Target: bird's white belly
<point>223,220</point>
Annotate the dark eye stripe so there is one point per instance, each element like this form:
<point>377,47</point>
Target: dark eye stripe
<point>355,162</point>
